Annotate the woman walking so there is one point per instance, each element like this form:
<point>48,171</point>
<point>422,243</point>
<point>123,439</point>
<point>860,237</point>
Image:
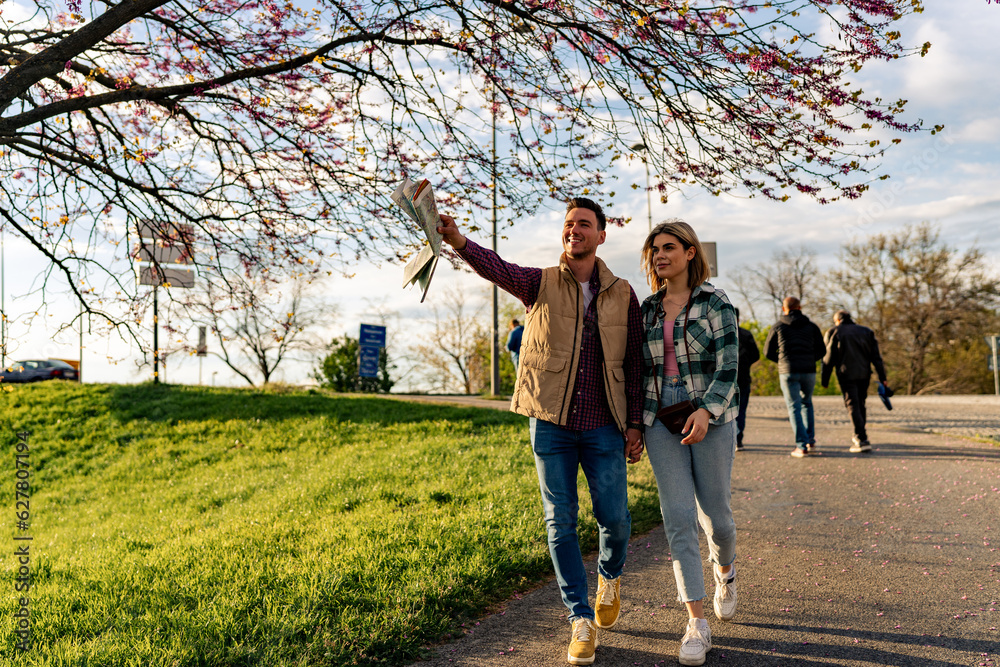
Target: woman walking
<point>691,359</point>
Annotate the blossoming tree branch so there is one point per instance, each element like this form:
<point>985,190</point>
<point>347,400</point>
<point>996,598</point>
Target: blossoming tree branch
<point>276,131</point>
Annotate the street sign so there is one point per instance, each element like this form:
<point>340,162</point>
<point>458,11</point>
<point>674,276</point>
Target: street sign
<point>168,232</point>
<point>164,243</point>
<point>993,340</point>
<point>164,254</point>
<point>372,335</point>
<point>149,275</point>
<point>202,343</point>
<point>709,248</point>
<point>368,362</point>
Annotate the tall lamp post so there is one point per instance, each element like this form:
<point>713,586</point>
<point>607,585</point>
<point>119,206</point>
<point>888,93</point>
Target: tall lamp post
<point>495,337</point>
<point>494,327</point>
<point>516,29</point>
<point>640,147</point>
<point>3,306</point>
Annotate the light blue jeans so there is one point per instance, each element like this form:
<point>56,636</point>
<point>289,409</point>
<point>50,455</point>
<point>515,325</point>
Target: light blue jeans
<point>694,482</point>
<point>797,388</point>
<point>559,454</point>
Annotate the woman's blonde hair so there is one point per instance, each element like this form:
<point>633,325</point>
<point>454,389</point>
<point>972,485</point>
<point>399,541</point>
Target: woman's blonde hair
<point>698,269</point>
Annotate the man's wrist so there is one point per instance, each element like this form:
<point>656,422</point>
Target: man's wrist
<point>638,426</point>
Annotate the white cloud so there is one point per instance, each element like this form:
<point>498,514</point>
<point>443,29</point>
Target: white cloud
<point>985,130</point>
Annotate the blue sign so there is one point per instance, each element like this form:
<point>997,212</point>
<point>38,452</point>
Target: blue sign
<point>372,335</point>
<point>368,362</point>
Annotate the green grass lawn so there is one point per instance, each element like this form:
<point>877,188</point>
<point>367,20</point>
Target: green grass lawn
<point>181,525</point>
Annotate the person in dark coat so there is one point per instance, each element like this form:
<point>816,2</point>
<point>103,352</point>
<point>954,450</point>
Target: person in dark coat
<point>749,355</point>
<point>796,344</point>
<point>514,342</point>
<point>852,351</point>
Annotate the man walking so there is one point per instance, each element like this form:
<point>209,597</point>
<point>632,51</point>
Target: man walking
<point>796,344</point>
<point>852,350</point>
<point>749,355</point>
<point>514,342</point>
<point>581,386</point>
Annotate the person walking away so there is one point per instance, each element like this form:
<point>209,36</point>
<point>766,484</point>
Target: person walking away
<point>795,343</point>
<point>580,383</point>
<point>514,342</point>
<point>749,355</point>
<point>852,351</point>
<point>691,353</point>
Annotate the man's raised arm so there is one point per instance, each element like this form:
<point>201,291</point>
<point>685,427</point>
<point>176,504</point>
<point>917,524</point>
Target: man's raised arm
<point>520,281</point>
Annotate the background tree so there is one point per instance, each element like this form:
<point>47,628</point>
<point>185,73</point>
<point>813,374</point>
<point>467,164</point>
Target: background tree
<point>481,363</point>
<point>789,272</point>
<point>277,131</point>
<point>338,370</point>
<point>929,304</point>
<point>254,328</point>
<point>448,352</point>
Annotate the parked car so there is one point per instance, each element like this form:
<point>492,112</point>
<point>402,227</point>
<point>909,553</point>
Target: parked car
<point>35,370</point>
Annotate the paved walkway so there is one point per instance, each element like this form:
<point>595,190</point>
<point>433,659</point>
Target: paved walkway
<point>891,558</point>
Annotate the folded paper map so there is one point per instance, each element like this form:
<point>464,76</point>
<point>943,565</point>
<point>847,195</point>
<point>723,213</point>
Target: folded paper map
<point>417,200</point>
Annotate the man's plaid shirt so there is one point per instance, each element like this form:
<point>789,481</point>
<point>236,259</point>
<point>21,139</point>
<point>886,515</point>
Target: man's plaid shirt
<point>589,404</point>
<point>707,365</point>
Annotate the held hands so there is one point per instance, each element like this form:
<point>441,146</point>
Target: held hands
<point>696,426</point>
<point>448,229</point>
<point>633,445</point>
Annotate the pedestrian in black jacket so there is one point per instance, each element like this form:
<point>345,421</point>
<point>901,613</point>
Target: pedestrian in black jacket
<point>852,350</point>
<point>749,355</point>
<point>796,344</point>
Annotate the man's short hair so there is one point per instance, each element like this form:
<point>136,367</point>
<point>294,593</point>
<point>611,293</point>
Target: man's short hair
<point>792,303</point>
<point>737,312</point>
<point>515,323</point>
<point>842,315</point>
<point>590,205</point>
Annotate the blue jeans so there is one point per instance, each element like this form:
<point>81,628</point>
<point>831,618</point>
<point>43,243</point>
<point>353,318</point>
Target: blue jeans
<point>797,389</point>
<point>559,453</point>
<point>694,482</point>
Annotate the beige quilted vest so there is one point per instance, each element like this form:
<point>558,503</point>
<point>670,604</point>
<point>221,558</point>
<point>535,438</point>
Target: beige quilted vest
<point>550,346</point>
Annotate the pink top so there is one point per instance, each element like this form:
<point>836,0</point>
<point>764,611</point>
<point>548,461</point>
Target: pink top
<point>669,355</point>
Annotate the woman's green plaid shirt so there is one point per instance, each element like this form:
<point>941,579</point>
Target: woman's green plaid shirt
<point>708,363</point>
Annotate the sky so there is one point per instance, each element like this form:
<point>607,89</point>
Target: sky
<point>948,179</point>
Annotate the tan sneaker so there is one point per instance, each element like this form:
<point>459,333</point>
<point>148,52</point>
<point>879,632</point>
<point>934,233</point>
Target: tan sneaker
<point>609,602</point>
<point>583,645</point>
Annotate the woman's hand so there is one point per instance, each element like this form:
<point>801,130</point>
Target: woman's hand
<point>696,426</point>
<point>633,445</point>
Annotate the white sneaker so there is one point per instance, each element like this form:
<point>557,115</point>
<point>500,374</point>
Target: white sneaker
<point>696,643</point>
<point>859,446</point>
<point>725,594</point>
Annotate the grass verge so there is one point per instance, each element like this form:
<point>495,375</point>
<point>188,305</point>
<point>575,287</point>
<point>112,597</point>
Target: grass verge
<point>180,525</point>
